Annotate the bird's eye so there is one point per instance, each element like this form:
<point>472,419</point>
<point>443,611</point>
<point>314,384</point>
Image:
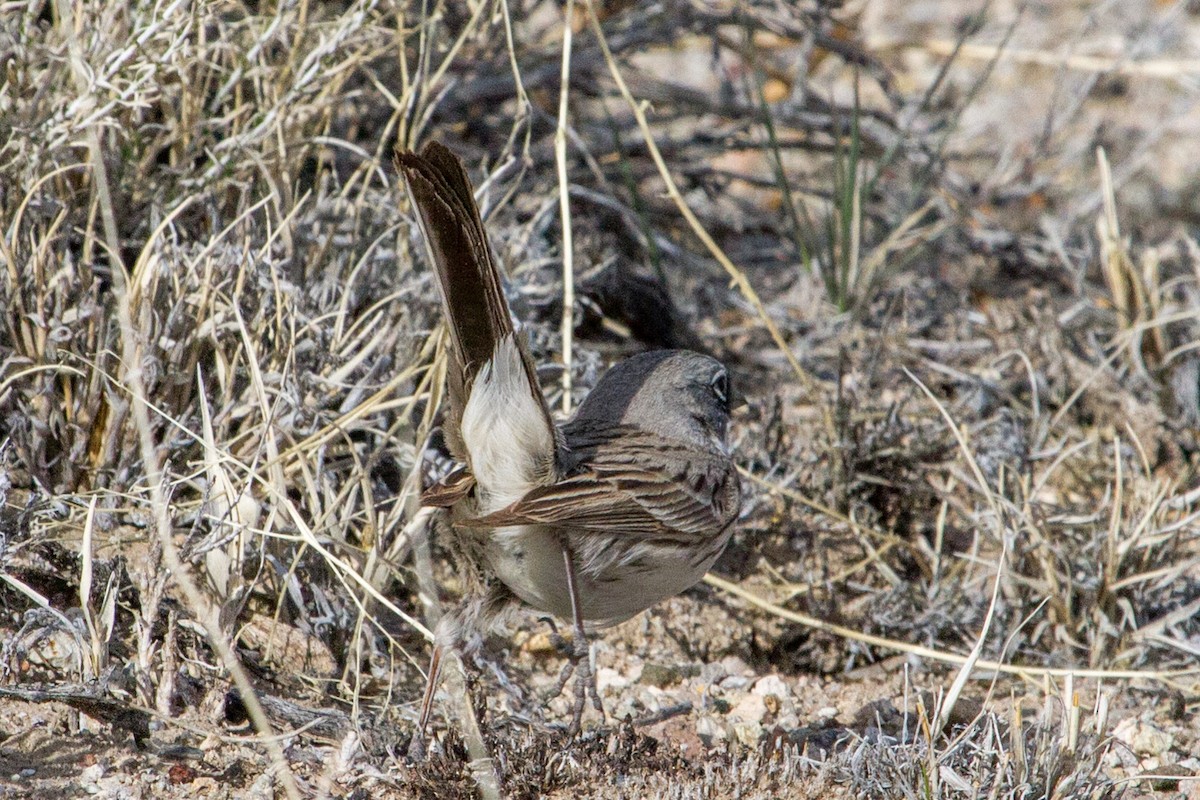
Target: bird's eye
<point>720,386</point>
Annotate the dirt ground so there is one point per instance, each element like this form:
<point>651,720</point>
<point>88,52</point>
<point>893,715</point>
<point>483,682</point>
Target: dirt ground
<point>968,562</point>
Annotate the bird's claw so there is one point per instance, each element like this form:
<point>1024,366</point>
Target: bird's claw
<point>579,663</point>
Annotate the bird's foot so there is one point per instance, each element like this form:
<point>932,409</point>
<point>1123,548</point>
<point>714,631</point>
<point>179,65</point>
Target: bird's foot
<point>579,663</point>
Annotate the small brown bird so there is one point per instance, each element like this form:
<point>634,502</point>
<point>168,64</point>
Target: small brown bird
<point>626,504</point>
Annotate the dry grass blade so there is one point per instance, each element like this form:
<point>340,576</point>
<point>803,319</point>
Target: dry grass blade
<point>564,206</point>
<point>1165,68</point>
<point>736,275</point>
<point>1170,677</point>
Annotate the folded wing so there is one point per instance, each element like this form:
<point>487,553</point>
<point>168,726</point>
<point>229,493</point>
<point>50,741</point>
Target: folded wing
<point>646,485</point>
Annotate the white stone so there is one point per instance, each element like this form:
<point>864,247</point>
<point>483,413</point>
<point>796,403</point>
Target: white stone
<point>608,678</point>
<point>772,684</point>
<point>1142,737</point>
<point>748,734</point>
<point>91,774</point>
<point>710,729</point>
<point>735,666</point>
<point>750,709</point>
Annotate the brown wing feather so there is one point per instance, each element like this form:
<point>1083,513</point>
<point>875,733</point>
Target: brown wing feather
<point>646,486</point>
<point>449,490</point>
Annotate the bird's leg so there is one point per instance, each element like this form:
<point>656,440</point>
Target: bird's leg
<point>417,748</point>
<point>448,646</point>
<point>563,648</point>
<point>459,634</point>
<point>580,655</point>
<point>446,662</point>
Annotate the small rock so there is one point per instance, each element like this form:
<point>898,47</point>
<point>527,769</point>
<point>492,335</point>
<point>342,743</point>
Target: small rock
<point>774,692</point>
<point>710,730</point>
<point>660,675</point>
<point>880,715</point>
<point>1142,737</point>
<point>788,721</point>
<point>820,740</point>
<point>204,785</point>
<point>772,685</point>
<point>91,774</point>
<point>750,709</point>
<point>608,678</point>
<point>263,787</point>
<point>1119,758</point>
<point>748,733</point>
<point>735,666</point>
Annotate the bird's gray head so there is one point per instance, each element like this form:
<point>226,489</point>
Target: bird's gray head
<point>678,394</point>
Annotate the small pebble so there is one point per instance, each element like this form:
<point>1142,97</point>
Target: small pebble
<point>710,730</point>
<point>1143,738</point>
<point>750,709</point>
<point>772,684</point>
<point>660,675</point>
<point>608,679</point>
<point>747,733</point>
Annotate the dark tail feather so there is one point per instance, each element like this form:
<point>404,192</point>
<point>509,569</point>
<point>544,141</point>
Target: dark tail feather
<point>471,293</point>
<point>472,297</point>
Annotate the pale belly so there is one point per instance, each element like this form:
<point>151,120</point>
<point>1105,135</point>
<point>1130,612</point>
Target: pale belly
<point>529,560</point>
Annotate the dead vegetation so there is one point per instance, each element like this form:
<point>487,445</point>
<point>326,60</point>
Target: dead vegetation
<point>969,564</point>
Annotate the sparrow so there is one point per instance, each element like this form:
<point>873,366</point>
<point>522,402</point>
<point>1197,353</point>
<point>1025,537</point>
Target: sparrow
<point>593,520</point>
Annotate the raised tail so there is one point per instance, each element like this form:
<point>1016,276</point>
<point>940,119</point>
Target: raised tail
<point>469,282</point>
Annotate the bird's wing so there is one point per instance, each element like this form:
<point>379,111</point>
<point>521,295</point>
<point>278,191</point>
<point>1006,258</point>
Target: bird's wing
<point>449,490</point>
<point>634,484</point>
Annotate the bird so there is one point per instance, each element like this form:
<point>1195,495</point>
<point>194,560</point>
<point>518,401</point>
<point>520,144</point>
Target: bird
<point>591,520</point>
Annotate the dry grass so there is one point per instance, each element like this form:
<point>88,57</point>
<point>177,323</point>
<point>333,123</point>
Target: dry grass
<point>971,441</point>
